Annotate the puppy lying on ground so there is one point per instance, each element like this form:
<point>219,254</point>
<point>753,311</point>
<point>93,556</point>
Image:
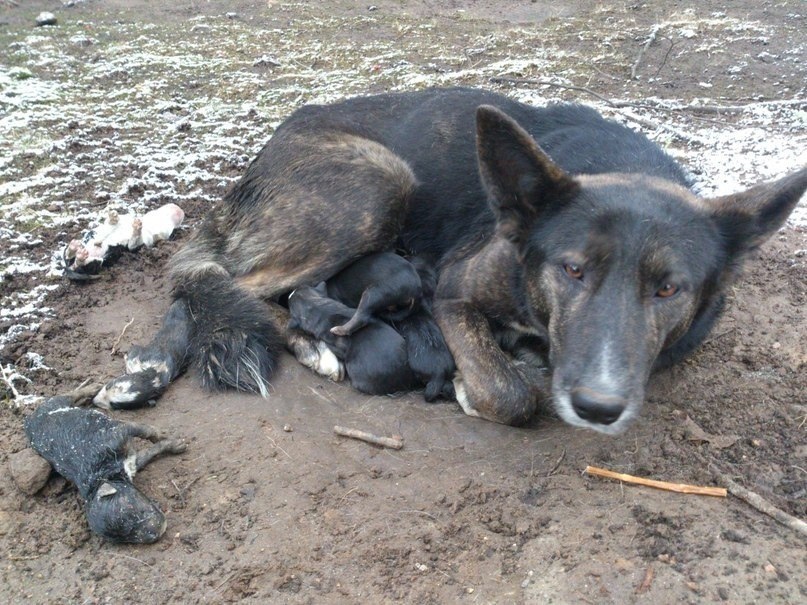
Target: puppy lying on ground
<point>375,356</point>
<point>94,452</point>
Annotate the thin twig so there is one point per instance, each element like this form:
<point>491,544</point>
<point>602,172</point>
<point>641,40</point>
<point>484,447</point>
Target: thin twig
<point>651,38</point>
<point>509,80</point>
<point>650,103</point>
<point>557,463</point>
<point>758,502</point>
<point>681,488</point>
<point>648,123</point>
<point>647,581</point>
<point>395,442</point>
<point>666,56</point>
<point>118,339</point>
<point>658,126</point>
<point>22,557</point>
<point>132,559</point>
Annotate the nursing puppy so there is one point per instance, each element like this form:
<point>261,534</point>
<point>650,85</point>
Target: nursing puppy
<point>426,349</point>
<point>382,285</point>
<point>374,355</point>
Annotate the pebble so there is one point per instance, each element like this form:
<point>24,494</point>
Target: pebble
<point>45,18</point>
<point>29,470</point>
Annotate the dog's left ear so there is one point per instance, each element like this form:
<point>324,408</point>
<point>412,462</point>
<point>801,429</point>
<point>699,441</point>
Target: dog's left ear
<point>747,219</point>
<point>519,177</point>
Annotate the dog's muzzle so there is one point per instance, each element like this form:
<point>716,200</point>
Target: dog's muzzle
<point>596,407</point>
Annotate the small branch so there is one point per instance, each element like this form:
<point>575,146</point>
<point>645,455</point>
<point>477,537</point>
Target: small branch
<point>606,100</point>
<point>395,442</point>
<point>557,463</point>
<point>718,109</point>
<point>118,339</point>
<point>681,488</point>
<point>650,40</point>
<point>647,581</point>
<point>650,104</point>
<point>611,103</point>
<point>84,393</point>
<point>758,502</point>
<point>648,123</point>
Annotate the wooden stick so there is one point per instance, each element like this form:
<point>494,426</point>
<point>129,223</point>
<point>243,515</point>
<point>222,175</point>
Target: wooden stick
<point>650,40</point>
<point>647,581</point>
<point>650,104</point>
<point>759,503</point>
<point>118,339</point>
<point>395,442</point>
<point>681,488</point>
<point>618,105</point>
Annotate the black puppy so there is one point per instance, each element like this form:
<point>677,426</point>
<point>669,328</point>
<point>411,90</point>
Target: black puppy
<point>375,355</point>
<point>428,354</point>
<point>381,285</point>
<point>94,452</point>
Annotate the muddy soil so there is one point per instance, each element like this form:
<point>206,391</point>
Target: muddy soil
<point>268,505</point>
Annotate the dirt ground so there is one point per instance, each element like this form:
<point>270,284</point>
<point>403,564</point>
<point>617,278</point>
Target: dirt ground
<point>468,511</point>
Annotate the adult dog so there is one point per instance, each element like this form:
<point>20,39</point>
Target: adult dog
<point>601,258</point>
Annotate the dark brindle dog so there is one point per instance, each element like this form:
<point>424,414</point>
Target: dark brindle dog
<point>601,256</point>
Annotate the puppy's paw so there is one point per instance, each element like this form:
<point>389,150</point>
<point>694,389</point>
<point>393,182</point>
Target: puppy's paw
<point>340,330</point>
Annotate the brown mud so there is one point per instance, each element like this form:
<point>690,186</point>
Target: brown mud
<point>268,505</point>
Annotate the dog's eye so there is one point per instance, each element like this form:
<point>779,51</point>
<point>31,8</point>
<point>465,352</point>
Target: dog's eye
<point>573,271</point>
<point>667,290</point>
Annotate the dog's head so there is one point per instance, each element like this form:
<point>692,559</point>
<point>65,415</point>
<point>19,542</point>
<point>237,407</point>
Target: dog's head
<point>623,270</point>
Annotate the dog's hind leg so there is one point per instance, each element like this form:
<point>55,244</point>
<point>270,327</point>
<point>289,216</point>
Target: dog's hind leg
<point>490,384</point>
<point>371,300</point>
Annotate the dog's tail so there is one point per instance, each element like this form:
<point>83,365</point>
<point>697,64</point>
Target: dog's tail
<point>233,342</point>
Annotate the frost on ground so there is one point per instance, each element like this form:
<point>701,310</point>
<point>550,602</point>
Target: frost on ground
<point>129,117</point>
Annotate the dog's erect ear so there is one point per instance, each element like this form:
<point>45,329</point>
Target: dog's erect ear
<point>747,219</point>
<point>321,288</point>
<point>519,177</point>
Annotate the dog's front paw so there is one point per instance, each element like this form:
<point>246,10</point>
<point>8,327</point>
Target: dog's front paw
<point>462,396</point>
<point>131,391</point>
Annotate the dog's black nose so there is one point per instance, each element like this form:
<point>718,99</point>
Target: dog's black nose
<point>597,407</point>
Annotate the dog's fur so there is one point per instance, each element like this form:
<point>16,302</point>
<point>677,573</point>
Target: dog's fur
<point>375,355</point>
<point>382,285</point>
<point>601,256</point>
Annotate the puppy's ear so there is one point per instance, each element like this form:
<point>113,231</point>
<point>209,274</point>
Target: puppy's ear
<point>321,288</point>
<point>747,219</point>
<point>519,177</point>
